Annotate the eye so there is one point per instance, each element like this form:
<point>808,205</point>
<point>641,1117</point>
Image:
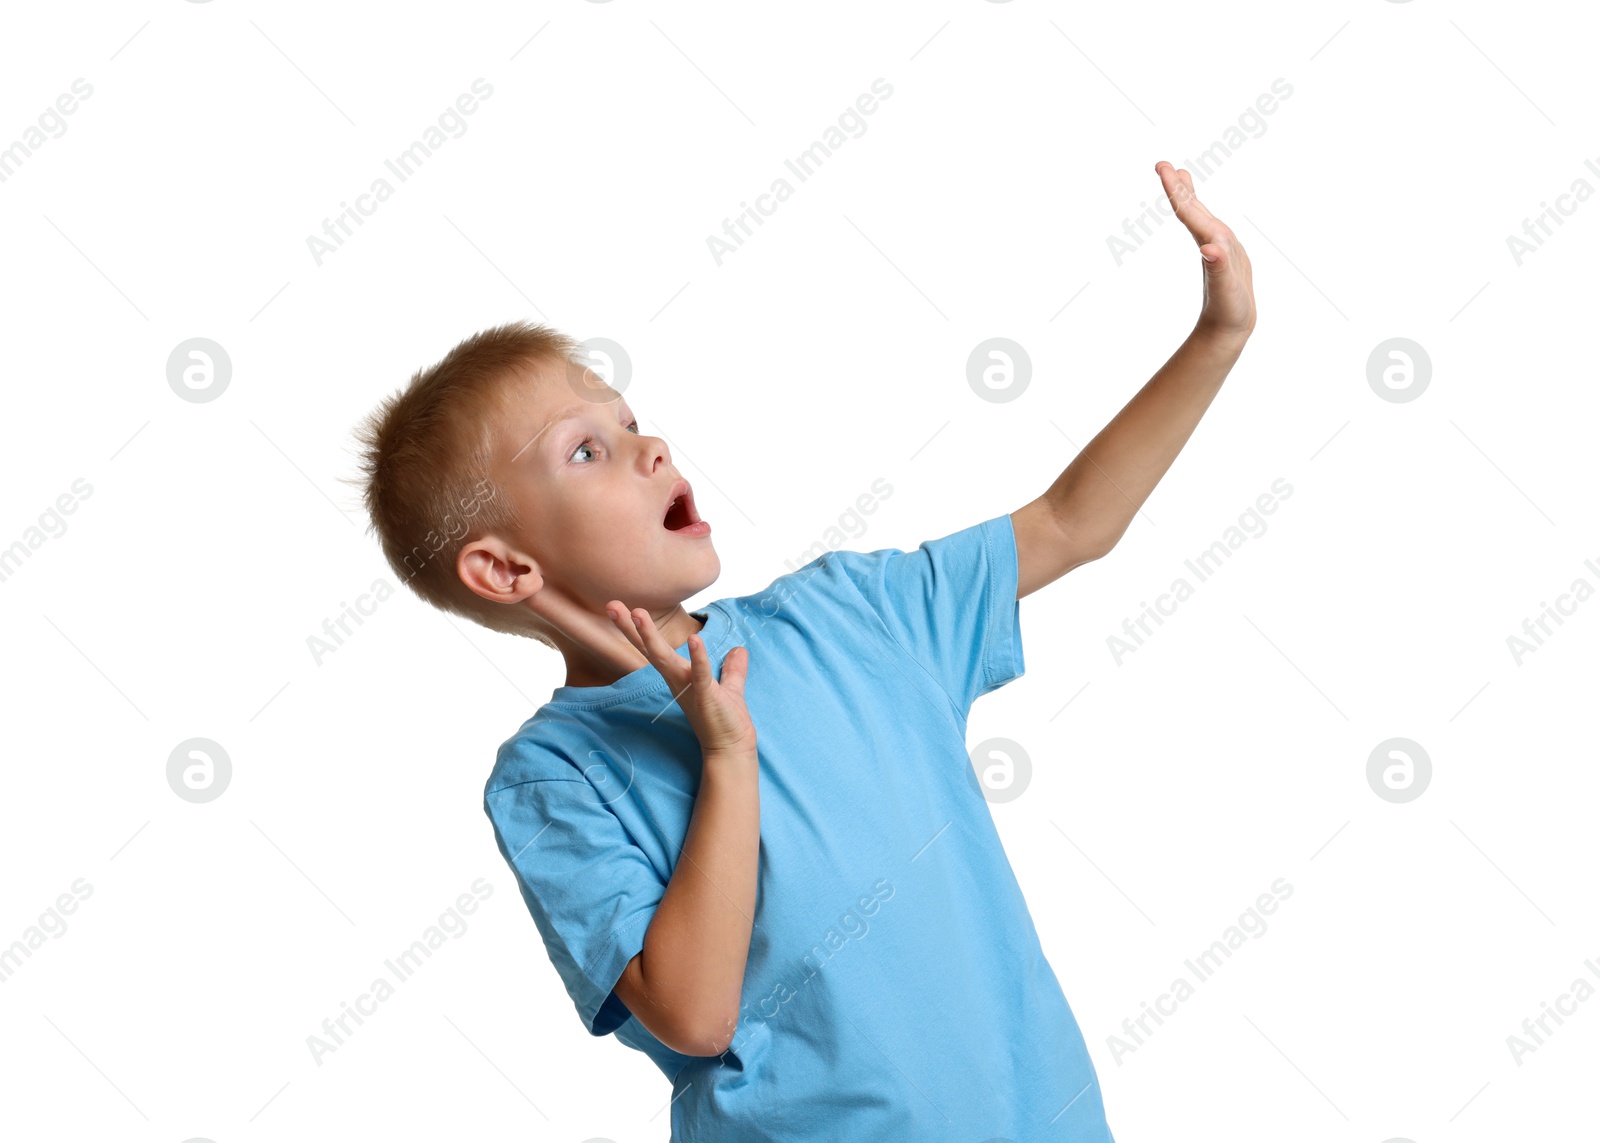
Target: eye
<point>588,441</point>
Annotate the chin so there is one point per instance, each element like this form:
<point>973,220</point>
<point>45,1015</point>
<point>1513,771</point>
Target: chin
<point>713,569</point>
<point>675,583</point>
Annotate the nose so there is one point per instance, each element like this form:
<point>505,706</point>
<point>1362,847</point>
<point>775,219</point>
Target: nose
<point>655,452</point>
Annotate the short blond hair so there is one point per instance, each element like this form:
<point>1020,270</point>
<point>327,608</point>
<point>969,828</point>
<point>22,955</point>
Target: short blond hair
<point>426,472</point>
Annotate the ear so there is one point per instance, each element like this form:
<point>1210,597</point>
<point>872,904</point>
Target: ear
<point>496,572</point>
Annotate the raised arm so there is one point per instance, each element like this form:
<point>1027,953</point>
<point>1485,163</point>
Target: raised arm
<point>1086,511</point>
<point>686,984</point>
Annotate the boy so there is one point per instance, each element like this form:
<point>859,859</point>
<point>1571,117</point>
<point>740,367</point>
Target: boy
<point>782,884</point>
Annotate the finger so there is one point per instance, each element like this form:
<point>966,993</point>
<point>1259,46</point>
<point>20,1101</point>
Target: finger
<point>1196,219</point>
<point>1193,213</point>
<point>628,624</point>
<point>1187,191</point>
<point>699,661</point>
<point>622,618</point>
<point>735,668</point>
<point>663,656</point>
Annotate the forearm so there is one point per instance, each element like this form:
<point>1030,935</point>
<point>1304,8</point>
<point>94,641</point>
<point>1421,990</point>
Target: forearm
<point>699,938</point>
<point>1096,497</point>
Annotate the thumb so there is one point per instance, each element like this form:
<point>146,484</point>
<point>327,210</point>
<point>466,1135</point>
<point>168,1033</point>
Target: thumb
<point>1213,257</point>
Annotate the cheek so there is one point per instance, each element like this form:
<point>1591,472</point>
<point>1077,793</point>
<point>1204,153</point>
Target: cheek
<point>597,527</point>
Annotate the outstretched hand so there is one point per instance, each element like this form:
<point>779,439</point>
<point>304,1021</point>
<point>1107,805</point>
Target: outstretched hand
<point>1229,304</point>
<point>716,710</point>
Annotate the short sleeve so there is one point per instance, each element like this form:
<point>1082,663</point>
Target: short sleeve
<point>591,890</point>
<point>951,604</point>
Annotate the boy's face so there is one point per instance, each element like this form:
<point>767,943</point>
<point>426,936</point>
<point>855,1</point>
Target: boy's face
<point>593,495</point>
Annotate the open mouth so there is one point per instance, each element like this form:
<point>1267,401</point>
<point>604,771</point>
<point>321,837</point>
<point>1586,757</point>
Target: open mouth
<point>681,515</point>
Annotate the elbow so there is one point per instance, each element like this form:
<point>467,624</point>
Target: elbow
<point>1078,544</point>
<point>1088,548</point>
<point>1087,553</point>
<point>1079,556</point>
<point>690,1029</point>
<point>710,1038</point>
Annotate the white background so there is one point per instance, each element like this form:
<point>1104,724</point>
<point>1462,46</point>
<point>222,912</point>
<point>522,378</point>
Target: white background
<point>1230,750</point>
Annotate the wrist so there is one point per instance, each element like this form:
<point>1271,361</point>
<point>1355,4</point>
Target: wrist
<point>733,755</point>
<point>1223,338</point>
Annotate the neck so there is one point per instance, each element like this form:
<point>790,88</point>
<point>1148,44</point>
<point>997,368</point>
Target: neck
<point>587,667</point>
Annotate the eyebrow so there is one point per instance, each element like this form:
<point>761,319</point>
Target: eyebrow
<point>569,413</point>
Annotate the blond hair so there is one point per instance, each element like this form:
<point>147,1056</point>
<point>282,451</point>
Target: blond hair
<point>426,465</point>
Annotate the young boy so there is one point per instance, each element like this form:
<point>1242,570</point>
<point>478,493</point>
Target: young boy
<point>782,884</point>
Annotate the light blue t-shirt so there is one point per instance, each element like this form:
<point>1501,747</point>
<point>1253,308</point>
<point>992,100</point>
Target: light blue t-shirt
<point>895,988</point>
